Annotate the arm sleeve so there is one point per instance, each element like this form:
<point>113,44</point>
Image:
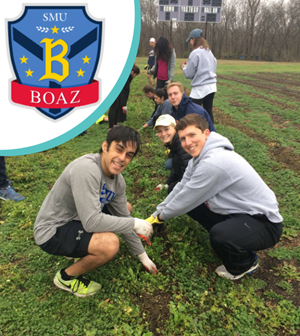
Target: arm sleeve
<point>171,66</point>
<point>134,243</point>
<point>201,187</point>
<point>118,207</point>
<point>84,180</point>
<point>191,67</point>
<point>155,115</point>
<point>179,186</point>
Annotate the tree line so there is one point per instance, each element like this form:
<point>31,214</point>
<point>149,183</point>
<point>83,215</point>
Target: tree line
<point>267,30</point>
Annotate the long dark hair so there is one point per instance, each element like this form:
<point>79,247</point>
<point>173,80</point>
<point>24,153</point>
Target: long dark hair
<point>163,49</point>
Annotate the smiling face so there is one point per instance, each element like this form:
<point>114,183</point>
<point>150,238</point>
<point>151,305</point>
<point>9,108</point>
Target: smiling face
<point>166,133</point>
<point>193,139</point>
<point>175,95</point>
<point>117,158</point>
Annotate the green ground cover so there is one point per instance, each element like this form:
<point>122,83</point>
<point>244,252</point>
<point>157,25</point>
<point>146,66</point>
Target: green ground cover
<point>186,297</point>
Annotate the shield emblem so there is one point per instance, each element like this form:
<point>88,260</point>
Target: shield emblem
<point>55,52</point>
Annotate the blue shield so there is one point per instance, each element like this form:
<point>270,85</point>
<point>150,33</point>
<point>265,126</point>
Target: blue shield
<point>55,47</point>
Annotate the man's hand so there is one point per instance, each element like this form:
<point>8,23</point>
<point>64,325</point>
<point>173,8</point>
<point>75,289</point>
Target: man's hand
<point>143,229</point>
<point>148,263</point>
<point>161,186</point>
<point>124,109</point>
<point>154,220</point>
<point>167,82</point>
<point>146,67</point>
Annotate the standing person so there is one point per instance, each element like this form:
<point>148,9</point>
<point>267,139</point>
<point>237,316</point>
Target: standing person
<point>165,60</point>
<point>166,132</point>
<point>163,106</point>
<point>222,192</point>
<point>85,209</point>
<point>201,68</point>
<point>7,193</point>
<point>118,110</point>
<point>183,105</point>
<point>151,60</point>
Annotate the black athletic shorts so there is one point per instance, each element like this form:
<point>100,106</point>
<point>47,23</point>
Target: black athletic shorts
<point>70,240</point>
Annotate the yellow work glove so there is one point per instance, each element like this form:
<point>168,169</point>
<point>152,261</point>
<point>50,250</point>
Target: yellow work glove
<point>153,220</point>
<point>167,152</point>
<point>146,67</point>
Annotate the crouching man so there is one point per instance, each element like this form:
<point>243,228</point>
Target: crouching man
<point>222,192</point>
<point>85,209</point>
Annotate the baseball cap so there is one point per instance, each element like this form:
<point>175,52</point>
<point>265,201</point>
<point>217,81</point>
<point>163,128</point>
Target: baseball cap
<point>195,33</point>
<point>152,40</point>
<point>165,120</point>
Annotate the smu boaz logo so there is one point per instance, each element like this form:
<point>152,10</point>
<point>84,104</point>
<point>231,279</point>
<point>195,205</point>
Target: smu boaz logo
<point>106,196</point>
<point>55,52</point>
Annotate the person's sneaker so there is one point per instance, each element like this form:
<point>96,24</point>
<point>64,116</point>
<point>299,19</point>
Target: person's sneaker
<point>222,272</point>
<point>79,286</point>
<point>100,119</point>
<point>10,194</point>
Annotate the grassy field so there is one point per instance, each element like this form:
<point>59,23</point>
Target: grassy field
<point>257,108</point>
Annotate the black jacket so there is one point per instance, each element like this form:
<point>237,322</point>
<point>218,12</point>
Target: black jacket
<point>180,159</point>
<point>125,91</point>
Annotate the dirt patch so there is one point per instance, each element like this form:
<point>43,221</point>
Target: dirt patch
<point>271,78</point>
<point>155,306</point>
<point>258,96</point>
<point>284,156</point>
<point>258,85</point>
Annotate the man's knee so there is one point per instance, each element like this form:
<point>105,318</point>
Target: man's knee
<point>218,236</point>
<point>104,243</point>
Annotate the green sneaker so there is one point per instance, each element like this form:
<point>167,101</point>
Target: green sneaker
<point>79,286</point>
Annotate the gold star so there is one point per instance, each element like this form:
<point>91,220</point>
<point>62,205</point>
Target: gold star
<point>86,60</point>
<point>55,30</point>
<point>29,73</point>
<point>80,73</point>
<point>24,59</point>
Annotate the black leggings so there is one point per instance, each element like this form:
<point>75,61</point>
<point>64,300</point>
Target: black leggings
<point>207,103</point>
<point>235,236</point>
<point>160,84</point>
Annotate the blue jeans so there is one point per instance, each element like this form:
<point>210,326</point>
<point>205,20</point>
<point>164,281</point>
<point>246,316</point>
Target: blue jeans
<point>168,164</point>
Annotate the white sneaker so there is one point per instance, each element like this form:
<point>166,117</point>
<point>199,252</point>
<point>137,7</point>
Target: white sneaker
<point>222,272</point>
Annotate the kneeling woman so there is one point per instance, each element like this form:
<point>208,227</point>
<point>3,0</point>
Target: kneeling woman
<point>163,106</point>
<point>165,129</point>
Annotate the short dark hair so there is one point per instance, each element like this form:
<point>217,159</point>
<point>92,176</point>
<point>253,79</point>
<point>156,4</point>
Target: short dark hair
<point>161,93</point>
<point>148,88</point>
<point>123,134</point>
<point>136,69</point>
<point>192,119</point>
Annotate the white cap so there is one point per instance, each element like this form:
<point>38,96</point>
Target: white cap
<point>152,40</point>
<point>165,120</point>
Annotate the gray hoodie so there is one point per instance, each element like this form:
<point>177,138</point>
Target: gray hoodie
<point>201,67</point>
<point>80,193</point>
<point>223,180</point>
